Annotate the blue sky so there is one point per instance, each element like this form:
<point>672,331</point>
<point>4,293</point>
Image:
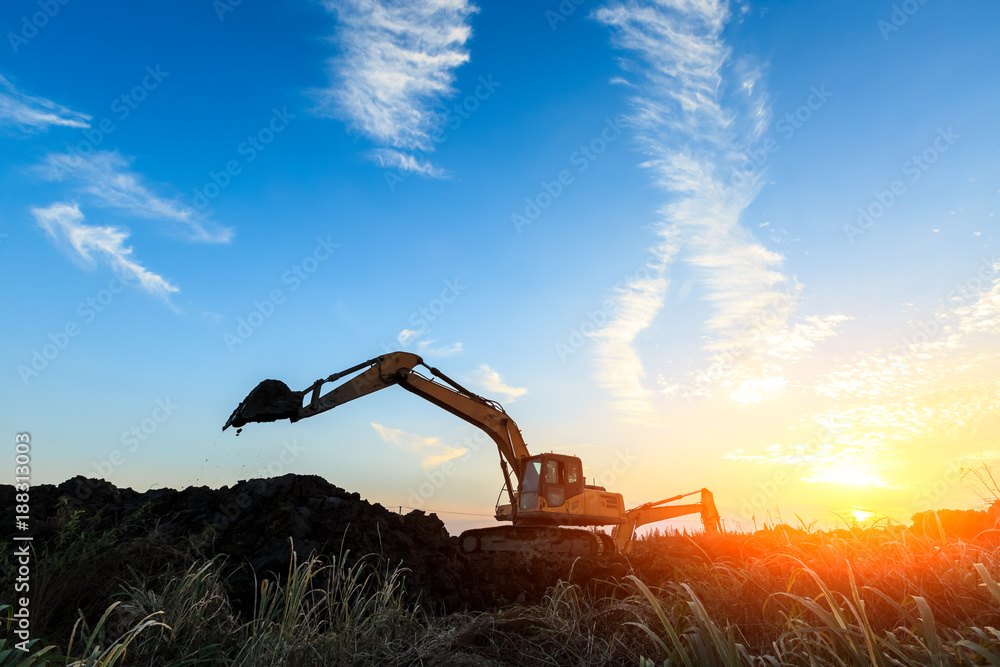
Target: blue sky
<point>696,243</point>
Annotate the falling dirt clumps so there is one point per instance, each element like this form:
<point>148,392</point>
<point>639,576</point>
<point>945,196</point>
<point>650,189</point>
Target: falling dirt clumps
<point>254,523</point>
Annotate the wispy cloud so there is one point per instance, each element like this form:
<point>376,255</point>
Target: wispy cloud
<point>750,367</point>
<point>409,339</point>
<point>493,384</point>
<point>63,223</point>
<point>429,349</point>
<point>27,113</point>
<point>388,158</point>
<point>397,63</point>
<point>693,135</point>
<point>885,442</point>
<point>894,408</point>
<point>933,349</point>
<point>433,451</point>
<point>406,335</point>
<point>108,178</point>
<point>620,368</point>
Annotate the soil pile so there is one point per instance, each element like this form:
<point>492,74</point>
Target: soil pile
<point>251,523</point>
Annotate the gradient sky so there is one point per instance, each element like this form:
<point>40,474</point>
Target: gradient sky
<point>745,246</point>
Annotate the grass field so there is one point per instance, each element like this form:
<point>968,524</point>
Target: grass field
<point>882,595</point>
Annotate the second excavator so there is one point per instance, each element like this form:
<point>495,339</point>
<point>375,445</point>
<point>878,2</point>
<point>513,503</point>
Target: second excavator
<point>549,503</point>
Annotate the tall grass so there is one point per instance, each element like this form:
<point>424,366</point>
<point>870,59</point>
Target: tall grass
<point>881,596</point>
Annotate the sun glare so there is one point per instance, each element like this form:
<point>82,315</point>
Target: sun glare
<point>849,475</point>
<point>861,515</point>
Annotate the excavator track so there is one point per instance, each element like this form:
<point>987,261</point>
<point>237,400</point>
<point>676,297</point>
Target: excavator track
<point>608,543</point>
<point>542,490</point>
<point>540,540</point>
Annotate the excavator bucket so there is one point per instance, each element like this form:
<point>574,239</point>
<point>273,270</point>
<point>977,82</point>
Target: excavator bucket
<point>269,401</point>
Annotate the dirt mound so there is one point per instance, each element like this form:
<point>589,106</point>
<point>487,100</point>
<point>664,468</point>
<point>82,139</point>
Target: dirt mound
<point>251,524</point>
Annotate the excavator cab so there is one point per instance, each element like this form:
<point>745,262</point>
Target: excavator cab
<point>548,481</point>
<point>550,490</point>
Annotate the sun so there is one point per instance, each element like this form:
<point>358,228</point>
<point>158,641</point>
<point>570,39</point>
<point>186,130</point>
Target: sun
<point>861,515</point>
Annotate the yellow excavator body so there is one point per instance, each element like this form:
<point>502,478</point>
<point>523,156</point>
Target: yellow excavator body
<point>548,500</point>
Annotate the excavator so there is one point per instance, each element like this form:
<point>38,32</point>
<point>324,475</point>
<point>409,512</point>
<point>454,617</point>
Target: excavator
<point>549,503</point>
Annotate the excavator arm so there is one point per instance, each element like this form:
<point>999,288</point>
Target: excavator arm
<point>623,533</point>
<point>549,490</point>
<point>271,400</point>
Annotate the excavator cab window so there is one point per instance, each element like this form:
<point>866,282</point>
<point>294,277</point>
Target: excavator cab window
<point>553,477</point>
<point>574,477</point>
<point>555,490</point>
<point>529,485</point>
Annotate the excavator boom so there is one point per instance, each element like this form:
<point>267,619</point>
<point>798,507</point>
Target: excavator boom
<point>271,400</point>
<point>660,511</point>
<point>549,490</point>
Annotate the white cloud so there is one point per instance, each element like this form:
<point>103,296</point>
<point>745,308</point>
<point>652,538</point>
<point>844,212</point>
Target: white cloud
<point>107,177</point>
<point>883,441</point>
<point>408,339</point>
<point>424,348</point>
<point>694,143</point>
<point>619,367</point>
<point>397,63</point>
<point>63,223</point>
<point>493,384</point>
<point>891,410</point>
<point>983,314</point>
<point>406,335</point>
<point>29,113</point>
<point>933,349</point>
<point>797,342</point>
<point>749,367</point>
<point>433,451</point>
<point>388,158</point>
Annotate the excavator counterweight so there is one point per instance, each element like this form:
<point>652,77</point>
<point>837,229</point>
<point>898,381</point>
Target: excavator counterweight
<point>549,501</point>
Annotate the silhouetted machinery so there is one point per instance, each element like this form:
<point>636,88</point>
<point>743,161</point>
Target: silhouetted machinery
<point>548,500</point>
